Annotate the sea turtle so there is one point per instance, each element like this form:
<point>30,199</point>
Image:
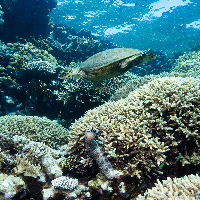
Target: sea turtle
<point>112,62</point>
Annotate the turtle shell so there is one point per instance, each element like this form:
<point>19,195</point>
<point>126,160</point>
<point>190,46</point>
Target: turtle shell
<point>105,58</point>
<point>112,62</point>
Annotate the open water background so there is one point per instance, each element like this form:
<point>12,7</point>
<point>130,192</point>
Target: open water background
<point>171,26</point>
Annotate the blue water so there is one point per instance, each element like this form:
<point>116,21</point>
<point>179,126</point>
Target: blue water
<point>172,26</point>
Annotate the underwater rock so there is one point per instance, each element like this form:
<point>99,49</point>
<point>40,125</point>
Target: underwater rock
<point>25,18</point>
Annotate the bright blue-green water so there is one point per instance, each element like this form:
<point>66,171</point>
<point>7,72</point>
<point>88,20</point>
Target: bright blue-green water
<point>172,26</point>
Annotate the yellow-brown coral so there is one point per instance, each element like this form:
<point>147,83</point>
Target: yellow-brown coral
<point>136,132</point>
<point>187,187</point>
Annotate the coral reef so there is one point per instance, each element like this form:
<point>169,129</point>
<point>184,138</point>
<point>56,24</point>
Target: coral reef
<point>29,57</point>
<point>148,130</point>
<point>137,133</point>
<point>187,187</point>
<point>69,45</point>
<point>188,63</point>
<point>64,183</point>
<point>24,18</point>
<point>31,84</point>
<point>27,79</point>
<point>29,145</point>
<point>38,129</point>
<point>131,85</point>
<point>28,153</point>
<point>86,94</point>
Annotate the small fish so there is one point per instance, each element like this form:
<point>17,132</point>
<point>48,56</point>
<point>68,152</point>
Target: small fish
<point>149,163</point>
<point>130,189</point>
<point>178,158</point>
<point>126,196</point>
<point>161,166</point>
<point>142,186</point>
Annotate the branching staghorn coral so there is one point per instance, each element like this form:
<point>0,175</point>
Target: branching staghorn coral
<point>187,187</point>
<point>32,139</point>
<point>38,129</point>
<point>138,131</point>
<point>188,63</point>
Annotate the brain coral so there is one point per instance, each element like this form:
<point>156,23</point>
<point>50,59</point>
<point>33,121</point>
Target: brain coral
<point>187,187</point>
<point>136,132</point>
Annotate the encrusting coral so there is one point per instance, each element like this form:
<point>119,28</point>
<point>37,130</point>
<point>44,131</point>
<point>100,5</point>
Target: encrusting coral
<point>187,187</point>
<point>138,131</point>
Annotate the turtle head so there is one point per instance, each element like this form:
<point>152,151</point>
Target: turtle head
<point>145,57</point>
<point>69,73</point>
